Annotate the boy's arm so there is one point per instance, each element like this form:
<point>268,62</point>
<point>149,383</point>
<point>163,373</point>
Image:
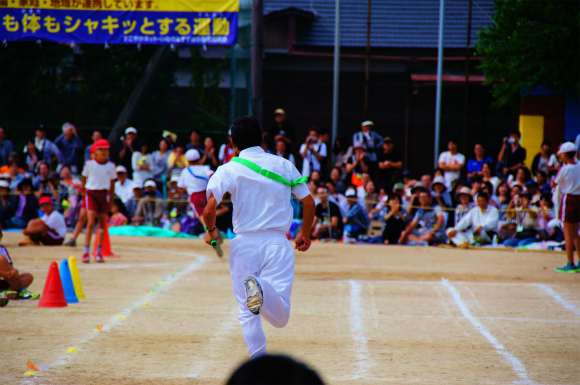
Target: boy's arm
<point>10,274</point>
<point>303,238</point>
<point>209,216</point>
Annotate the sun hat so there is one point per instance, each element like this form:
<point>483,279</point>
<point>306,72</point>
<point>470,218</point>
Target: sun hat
<point>463,191</point>
<point>192,155</point>
<point>279,111</point>
<point>367,123</point>
<point>439,180</point>
<point>130,130</point>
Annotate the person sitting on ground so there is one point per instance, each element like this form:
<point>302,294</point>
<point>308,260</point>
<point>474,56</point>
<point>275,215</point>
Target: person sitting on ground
<point>13,285</point>
<point>442,197</point>
<point>337,178</point>
<point>14,175</point>
<point>133,202</point>
<point>542,181</point>
<point>504,197</point>
<point>117,218</point>
<point>150,208</point>
<point>26,205</point>
<point>532,188</point>
<point>395,221</point>
<point>336,197</point>
<point>427,224</point>
<point>526,221</point>
<point>49,230</point>
<point>327,218</point>
<point>371,196</point>
<point>356,221</point>
<point>465,203</point>
<point>478,226</point>
<point>549,231</point>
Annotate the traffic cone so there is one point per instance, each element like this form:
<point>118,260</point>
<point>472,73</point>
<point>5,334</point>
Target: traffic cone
<point>67,283</point>
<point>106,250</point>
<point>53,293</point>
<point>76,278</point>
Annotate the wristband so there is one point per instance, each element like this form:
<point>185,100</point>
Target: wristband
<point>208,230</point>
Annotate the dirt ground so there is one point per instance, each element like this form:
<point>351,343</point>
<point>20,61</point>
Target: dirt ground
<point>360,314</point>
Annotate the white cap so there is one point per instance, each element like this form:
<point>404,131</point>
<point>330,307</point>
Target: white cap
<point>174,178</point>
<point>567,147</point>
<point>66,125</point>
<point>121,169</point>
<point>150,183</point>
<point>192,155</point>
<point>367,123</point>
<point>137,184</point>
<point>131,130</point>
<point>4,183</point>
<point>350,193</point>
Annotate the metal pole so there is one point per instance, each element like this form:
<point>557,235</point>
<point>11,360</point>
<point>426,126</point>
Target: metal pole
<point>336,72</point>
<point>439,80</point>
<point>368,61</point>
<point>233,84</point>
<point>466,96</point>
<point>257,52</point>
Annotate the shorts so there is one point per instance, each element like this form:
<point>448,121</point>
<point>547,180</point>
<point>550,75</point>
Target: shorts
<point>97,200</point>
<point>570,208</point>
<point>51,238</point>
<point>198,200</point>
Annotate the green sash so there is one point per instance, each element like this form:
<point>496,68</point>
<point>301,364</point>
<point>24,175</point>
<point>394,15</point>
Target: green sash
<point>268,174</point>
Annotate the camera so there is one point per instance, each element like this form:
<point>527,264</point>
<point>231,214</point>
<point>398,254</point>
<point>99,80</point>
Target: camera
<point>511,140</point>
<point>518,201</point>
<point>312,141</point>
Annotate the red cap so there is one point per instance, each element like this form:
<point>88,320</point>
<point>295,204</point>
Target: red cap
<point>93,148</point>
<point>44,200</point>
<point>101,143</point>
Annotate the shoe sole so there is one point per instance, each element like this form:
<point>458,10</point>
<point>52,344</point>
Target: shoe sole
<point>254,295</point>
<point>4,302</point>
<point>566,271</point>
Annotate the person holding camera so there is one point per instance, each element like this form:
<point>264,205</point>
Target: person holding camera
<point>71,148</point>
<point>372,141</point>
<point>526,221</point>
<point>511,156</point>
<point>126,149</point>
<point>313,152</point>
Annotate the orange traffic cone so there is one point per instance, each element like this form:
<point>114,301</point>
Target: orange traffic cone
<point>53,293</point>
<point>106,250</point>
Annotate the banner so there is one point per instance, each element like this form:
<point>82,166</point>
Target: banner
<point>179,22</point>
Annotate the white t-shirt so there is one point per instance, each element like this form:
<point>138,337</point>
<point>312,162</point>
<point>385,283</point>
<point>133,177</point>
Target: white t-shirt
<point>56,222</point>
<point>99,176</point>
<point>310,162</point>
<point>223,157</point>
<point>449,159</point>
<point>260,203</point>
<point>194,178</point>
<point>568,178</point>
<point>138,160</point>
<point>125,191</point>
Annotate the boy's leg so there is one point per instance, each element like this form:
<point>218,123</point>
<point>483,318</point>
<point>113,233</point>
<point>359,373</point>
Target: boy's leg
<point>91,219</point>
<point>569,238</point>
<point>80,223</point>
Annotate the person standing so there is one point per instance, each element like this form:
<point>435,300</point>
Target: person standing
<point>390,164</point>
<point>46,150</point>
<point>474,166</point>
<point>313,152</point>
<point>5,148</point>
<point>568,179</point>
<point>261,257</point>
<point>372,142</point>
<point>451,162</point>
<point>71,148</point>
<point>282,129</point>
<point>511,156</point>
<point>127,147</point>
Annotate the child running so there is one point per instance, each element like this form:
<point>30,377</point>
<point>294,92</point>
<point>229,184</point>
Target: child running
<point>98,176</point>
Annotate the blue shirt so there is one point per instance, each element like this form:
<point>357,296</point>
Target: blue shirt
<point>5,151</point>
<point>71,150</point>
<point>356,215</point>
<point>473,165</point>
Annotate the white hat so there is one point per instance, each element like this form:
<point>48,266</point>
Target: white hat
<point>350,193</point>
<point>137,184</point>
<point>279,111</point>
<point>359,145</point>
<point>174,178</point>
<point>367,123</point>
<point>121,169</point>
<point>567,147</point>
<point>150,183</point>
<point>66,125</point>
<point>4,183</point>
<point>192,155</point>
<point>438,180</point>
<point>131,130</point>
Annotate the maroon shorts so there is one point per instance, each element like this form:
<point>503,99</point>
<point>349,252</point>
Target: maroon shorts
<point>51,238</point>
<point>97,200</point>
<point>570,208</point>
<point>198,200</point>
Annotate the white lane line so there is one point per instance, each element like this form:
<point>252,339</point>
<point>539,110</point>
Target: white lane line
<point>110,266</point>
<point>356,328</point>
<point>513,360</point>
<point>412,282</point>
<point>557,298</point>
<point>122,316</point>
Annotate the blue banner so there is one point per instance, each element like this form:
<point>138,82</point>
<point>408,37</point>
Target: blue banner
<point>118,26</point>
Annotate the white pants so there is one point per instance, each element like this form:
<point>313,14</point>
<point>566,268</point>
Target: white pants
<point>269,257</point>
<point>467,236</point>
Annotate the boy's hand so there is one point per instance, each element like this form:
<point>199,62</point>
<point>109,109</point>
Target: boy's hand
<point>302,242</point>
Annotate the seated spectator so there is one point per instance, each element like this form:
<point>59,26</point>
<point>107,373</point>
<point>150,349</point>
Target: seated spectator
<point>517,189</point>
<point>328,218</point>
<point>176,161</point>
<point>336,197</point>
<point>427,180</point>
<point>465,203</point>
<point>487,175</point>
<point>371,196</point>
<point>356,221</point>
<point>427,224</point>
<point>159,161</point>
<point>313,152</point>
<point>542,158</point>
<point>133,202</point>
<point>40,181</point>
<point>13,157</point>
<point>71,148</point>
<point>209,158</point>
<point>32,156</point>
<point>488,189</point>
<point>542,180</point>
<point>7,208</point>
<point>59,193</point>
<point>177,201</point>
<point>451,162</point>
<point>142,163</point>
<point>395,221</point>
<point>357,164</point>
<point>442,197</point>
<point>413,199</point>
<point>25,205</point>
<point>13,284</point>
<point>124,185</point>
<point>337,178</point>
<point>49,230</point>
<point>474,166</point>
<point>548,231</point>
<point>534,192</point>
<point>195,142</point>
<point>149,209</point>
<point>14,175</point>
<point>226,150</point>
<point>342,153</point>
<point>526,221</point>
<point>522,177</point>
<point>117,218</point>
<point>478,226</point>
<point>316,177</point>
<point>282,150</point>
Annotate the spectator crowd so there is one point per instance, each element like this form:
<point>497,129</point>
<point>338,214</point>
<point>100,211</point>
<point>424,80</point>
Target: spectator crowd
<point>362,189</point>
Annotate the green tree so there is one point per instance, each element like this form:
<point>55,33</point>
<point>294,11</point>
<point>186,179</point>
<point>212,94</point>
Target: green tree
<point>531,43</point>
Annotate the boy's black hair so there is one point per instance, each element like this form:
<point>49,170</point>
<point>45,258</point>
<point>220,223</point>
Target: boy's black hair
<point>246,132</point>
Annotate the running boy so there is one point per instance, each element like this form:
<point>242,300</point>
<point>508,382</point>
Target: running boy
<point>261,258</point>
<point>98,178</point>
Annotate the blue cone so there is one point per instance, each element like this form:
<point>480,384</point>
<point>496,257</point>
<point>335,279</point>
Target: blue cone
<point>67,283</point>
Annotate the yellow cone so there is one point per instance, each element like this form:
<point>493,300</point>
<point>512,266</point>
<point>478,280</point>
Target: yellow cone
<point>74,272</point>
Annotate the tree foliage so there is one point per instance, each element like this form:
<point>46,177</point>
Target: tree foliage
<point>531,43</point>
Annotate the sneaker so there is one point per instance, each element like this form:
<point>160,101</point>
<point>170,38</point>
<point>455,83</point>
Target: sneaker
<point>567,268</point>
<point>71,242</point>
<point>254,294</point>
<point>3,300</point>
<point>99,258</point>
<point>28,242</point>
<point>10,294</point>
<point>27,294</point>
<point>86,258</point>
